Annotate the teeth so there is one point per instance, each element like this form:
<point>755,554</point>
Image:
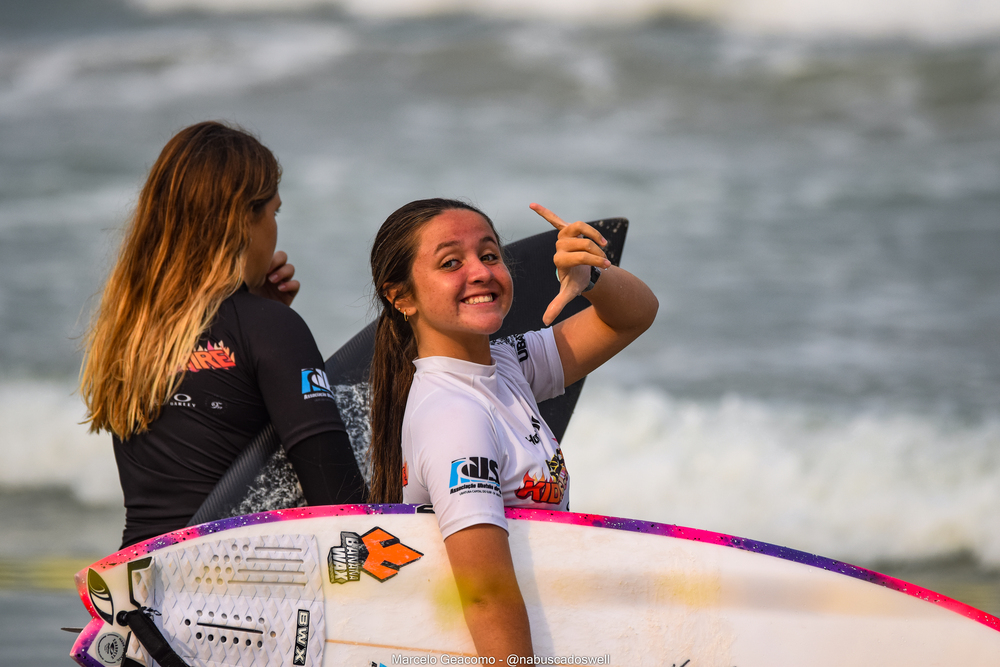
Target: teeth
<point>486,298</point>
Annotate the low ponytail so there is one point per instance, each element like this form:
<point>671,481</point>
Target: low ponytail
<point>391,376</point>
<point>392,368</point>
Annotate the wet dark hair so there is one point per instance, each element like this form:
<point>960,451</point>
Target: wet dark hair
<point>392,369</point>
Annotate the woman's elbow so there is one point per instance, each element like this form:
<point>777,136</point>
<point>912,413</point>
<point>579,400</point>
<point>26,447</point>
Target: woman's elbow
<point>649,310</point>
<point>643,314</point>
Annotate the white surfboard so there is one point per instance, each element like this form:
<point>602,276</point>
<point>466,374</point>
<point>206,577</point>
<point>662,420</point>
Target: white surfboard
<point>363,585</point>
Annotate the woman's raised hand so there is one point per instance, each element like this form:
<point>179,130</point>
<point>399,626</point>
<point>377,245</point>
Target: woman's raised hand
<point>578,247</point>
<point>278,285</point>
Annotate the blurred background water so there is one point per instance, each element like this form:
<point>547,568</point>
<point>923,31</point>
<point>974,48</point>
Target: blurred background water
<point>814,190</point>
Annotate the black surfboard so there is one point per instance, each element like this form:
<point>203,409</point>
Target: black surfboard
<point>262,479</point>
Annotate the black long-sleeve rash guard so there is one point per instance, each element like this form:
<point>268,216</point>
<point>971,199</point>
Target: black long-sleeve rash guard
<point>257,363</point>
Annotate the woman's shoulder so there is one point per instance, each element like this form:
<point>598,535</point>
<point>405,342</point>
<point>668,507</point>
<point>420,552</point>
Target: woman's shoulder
<point>437,401</point>
<point>518,349</point>
<point>251,308</point>
<point>267,327</point>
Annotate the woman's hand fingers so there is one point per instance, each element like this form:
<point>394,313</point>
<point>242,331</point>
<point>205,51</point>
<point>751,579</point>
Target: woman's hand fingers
<point>568,260</point>
<point>556,306</point>
<point>572,282</point>
<point>280,269</point>
<point>282,275</point>
<point>583,230</point>
<point>571,230</point>
<point>552,218</point>
<point>578,247</point>
<point>279,285</point>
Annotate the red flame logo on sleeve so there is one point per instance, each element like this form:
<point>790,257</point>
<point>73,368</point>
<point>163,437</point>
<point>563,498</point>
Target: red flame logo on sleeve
<point>211,357</point>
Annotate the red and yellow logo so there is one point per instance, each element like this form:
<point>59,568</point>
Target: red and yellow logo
<point>549,490</point>
<point>211,357</point>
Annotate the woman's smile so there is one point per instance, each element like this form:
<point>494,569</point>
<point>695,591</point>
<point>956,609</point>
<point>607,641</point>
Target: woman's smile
<point>461,287</point>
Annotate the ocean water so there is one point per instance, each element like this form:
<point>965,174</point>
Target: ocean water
<point>814,190</point>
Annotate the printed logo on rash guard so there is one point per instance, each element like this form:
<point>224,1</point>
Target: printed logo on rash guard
<point>474,474</point>
<point>181,401</point>
<point>211,357</point>
<point>548,489</point>
<point>315,384</point>
<point>406,476</point>
<point>533,438</point>
<point>517,342</point>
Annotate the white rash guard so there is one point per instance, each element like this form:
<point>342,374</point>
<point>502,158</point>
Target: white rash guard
<point>473,439</point>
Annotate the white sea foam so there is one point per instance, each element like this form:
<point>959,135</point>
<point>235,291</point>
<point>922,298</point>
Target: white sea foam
<point>145,68</point>
<point>43,444</point>
<point>923,18</point>
<point>860,487</point>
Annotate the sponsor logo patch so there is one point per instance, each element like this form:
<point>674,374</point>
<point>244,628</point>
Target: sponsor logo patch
<point>181,401</point>
<point>301,637</point>
<point>549,489</point>
<point>111,648</point>
<point>211,356</point>
<point>517,342</point>
<point>474,474</point>
<point>534,438</point>
<point>315,384</point>
<point>377,553</point>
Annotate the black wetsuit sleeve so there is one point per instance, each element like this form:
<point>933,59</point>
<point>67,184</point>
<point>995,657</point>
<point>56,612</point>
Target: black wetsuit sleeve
<point>327,469</point>
<point>289,371</point>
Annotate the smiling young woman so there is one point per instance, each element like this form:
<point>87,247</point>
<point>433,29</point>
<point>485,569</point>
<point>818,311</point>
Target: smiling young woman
<point>455,419</point>
<point>462,289</point>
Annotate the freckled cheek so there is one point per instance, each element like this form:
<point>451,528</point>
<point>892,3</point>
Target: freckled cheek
<point>507,284</point>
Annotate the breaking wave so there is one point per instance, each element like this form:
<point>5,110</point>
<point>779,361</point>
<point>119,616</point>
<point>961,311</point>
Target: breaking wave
<point>860,487</point>
<point>934,19</point>
<point>149,67</point>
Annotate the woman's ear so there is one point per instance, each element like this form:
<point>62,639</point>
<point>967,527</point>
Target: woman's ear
<point>392,294</point>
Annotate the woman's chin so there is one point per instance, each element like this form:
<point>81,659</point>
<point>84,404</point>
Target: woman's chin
<point>487,325</point>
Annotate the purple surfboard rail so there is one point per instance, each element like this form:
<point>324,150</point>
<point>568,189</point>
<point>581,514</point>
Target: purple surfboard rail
<point>83,642</point>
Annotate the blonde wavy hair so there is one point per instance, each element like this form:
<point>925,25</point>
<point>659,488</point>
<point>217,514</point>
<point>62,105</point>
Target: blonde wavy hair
<point>181,257</point>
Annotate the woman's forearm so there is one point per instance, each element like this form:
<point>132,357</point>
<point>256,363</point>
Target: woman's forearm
<point>491,600</point>
<point>623,307</point>
<point>498,622</point>
<point>623,302</point>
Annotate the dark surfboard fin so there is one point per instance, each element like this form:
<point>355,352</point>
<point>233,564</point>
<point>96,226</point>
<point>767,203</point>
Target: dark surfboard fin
<point>535,285</point>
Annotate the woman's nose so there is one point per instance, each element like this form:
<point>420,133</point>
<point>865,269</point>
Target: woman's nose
<point>478,271</point>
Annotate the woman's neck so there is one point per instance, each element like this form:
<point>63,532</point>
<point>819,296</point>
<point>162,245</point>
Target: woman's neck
<point>474,348</point>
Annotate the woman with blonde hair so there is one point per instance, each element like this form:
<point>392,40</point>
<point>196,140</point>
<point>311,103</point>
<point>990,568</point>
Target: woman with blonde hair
<point>455,419</point>
<point>193,349</point>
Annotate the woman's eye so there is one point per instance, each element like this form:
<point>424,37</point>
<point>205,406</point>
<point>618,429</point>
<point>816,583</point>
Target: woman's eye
<point>489,257</point>
<point>449,264</point>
